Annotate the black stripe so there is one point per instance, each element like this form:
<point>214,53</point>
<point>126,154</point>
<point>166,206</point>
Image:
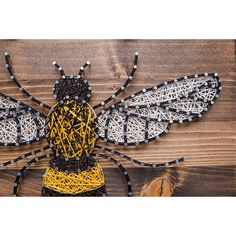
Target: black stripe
<point>107,124</point>
<point>36,124</point>
<point>72,165</point>
<point>126,129</point>
<point>18,127</point>
<point>146,130</point>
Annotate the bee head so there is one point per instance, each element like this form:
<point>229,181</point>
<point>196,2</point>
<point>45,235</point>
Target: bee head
<point>71,87</point>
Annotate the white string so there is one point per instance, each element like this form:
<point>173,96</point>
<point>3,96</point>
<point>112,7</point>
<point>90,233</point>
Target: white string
<point>169,92</point>
<point>5,103</point>
<point>8,131</point>
<point>27,125</point>
<point>177,100</point>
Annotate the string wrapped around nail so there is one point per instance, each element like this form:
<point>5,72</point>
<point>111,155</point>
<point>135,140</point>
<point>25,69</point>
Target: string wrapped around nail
<point>72,127</point>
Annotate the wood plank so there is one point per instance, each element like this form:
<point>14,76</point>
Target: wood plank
<point>208,143</point>
<point>187,181</point>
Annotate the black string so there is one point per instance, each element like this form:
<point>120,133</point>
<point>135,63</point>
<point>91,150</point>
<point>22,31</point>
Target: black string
<point>83,68</point>
<point>24,156</point>
<point>72,165</point>
<point>21,171</point>
<point>154,165</point>
<point>123,87</point>
<point>121,106</point>
<point>13,78</point>
<point>122,169</point>
<point>60,69</point>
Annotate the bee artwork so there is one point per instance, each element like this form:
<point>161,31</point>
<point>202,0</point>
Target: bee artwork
<point>72,127</point>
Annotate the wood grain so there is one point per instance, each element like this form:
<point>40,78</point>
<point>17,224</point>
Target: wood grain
<point>208,143</point>
<point>186,181</point>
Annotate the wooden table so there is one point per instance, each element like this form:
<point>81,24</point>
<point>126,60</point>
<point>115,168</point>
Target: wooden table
<point>209,144</point>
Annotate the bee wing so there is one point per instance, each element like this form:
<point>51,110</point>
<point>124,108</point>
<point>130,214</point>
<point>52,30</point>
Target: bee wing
<point>19,123</point>
<point>148,114</point>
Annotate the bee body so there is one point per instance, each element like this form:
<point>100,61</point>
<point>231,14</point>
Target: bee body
<point>71,129</point>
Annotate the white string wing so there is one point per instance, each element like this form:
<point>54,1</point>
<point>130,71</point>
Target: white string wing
<point>19,123</point>
<point>148,114</point>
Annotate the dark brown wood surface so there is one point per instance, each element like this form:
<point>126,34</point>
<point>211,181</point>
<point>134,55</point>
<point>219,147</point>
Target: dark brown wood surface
<point>209,144</point>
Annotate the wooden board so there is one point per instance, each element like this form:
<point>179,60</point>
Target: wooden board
<point>185,181</point>
<point>209,144</point>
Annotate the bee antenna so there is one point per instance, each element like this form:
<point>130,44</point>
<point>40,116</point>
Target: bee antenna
<point>59,68</point>
<point>82,68</point>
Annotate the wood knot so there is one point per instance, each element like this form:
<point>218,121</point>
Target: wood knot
<point>160,187</point>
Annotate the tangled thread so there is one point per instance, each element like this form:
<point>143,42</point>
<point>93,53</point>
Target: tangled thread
<point>72,87</point>
<point>19,123</point>
<point>74,183</point>
<point>72,129</point>
<point>99,192</point>
<point>72,164</point>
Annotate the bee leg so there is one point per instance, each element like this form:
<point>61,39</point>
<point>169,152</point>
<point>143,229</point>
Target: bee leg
<point>24,156</point>
<point>152,165</point>
<point>122,169</point>
<point>82,68</point>
<point>21,171</point>
<point>13,78</point>
<point>123,87</point>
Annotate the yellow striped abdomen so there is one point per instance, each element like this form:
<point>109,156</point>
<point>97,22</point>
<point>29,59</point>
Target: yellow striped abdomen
<point>74,183</point>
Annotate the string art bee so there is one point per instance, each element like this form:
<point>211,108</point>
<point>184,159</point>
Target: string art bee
<point>72,127</point>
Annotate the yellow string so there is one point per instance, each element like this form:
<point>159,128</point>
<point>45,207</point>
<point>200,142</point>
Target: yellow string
<point>72,128</point>
<point>74,183</point>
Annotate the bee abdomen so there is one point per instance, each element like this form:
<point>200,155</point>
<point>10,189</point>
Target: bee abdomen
<point>74,183</point>
<point>69,165</point>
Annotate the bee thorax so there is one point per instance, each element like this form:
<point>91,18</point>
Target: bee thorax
<point>71,129</point>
